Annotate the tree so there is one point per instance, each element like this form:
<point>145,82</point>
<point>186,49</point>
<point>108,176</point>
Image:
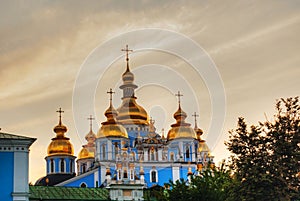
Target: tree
<point>266,157</point>
<point>212,184</point>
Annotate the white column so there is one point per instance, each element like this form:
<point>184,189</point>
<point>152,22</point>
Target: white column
<point>159,155</point>
<point>109,150</point>
<point>175,173</point>
<point>21,188</point>
<point>145,155</point>
<point>193,153</point>
<point>96,178</point>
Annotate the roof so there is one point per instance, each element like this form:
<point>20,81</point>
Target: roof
<point>13,136</point>
<point>53,179</point>
<point>49,193</point>
<point>7,138</point>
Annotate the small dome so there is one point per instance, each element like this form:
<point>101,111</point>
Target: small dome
<point>60,128</point>
<point>90,137</point>
<point>181,129</point>
<point>111,128</point>
<point>60,146</point>
<point>203,147</point>
<point>84,153</point>
<point>127,76</point>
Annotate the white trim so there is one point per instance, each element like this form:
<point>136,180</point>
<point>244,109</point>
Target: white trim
<point>52,172</point>
<point>86,186</point>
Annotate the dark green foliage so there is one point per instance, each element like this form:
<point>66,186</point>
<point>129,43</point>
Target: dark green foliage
<point>266,157</point>
<point>211,184</point>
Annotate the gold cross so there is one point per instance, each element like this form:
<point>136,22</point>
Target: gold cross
<point>127,51</point>
<point>91,121</point>
<point>60,111</point>
<point>178,94</point>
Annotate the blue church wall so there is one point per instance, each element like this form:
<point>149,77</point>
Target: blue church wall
<point>6,175</point>
<point>164,175</point>
<point>88,180</point>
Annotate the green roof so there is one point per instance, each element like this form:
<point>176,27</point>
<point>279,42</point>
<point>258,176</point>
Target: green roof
<point>14,137</point>
<point>49,193</point>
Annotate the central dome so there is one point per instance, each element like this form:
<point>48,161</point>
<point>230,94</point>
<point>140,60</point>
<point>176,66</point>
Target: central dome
<point>132,113</point>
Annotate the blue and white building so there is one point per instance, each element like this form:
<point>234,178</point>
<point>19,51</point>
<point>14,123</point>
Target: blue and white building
<point>14,151</point>
<point>128,150</point>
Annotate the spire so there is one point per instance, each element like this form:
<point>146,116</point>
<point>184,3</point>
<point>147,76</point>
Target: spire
<point>178,95</point>
<point>198,131</point>
<point>91,136</point>
<point>110,92</point>
<point>127,57</point>
<point>195,115</point>
<point>60,111</point>
<point>91,121</point>
<point>151,126</point>
<point>179,115</point>
<point>60,129</point>
<point>110,113</point>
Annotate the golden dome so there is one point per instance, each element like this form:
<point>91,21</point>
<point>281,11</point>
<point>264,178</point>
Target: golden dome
<point>84,154</point>
<point>181,129</point>
<point>132,113</point>
<point>61,144</point>
<point>203,147</point>
<point>111,128</point>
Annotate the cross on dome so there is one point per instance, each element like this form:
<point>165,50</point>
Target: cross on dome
<point>60,111</point>
<point>195,115</point>
<point>127,51</point>
<point>91,121</point>
<point>110,92</point>
<point>178,95</point>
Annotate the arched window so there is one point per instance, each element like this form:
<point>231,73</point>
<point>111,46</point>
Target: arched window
<point>131,174</point>
<point>152,154</point>
<point>187,152</point>
<point>62,165</point>
<point>172,156</point>
<point>103,151</point>
<point>125,176</point>
<point>153,176</point>
<point>116,148</point>
<point>83,167</point>
<point>51,166</point>
<point>83,185</point>
<point>119,176</point>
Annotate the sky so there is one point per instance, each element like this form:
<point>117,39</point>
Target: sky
<point>45,46</point>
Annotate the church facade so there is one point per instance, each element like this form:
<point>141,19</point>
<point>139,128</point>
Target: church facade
<point>127,150</point>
